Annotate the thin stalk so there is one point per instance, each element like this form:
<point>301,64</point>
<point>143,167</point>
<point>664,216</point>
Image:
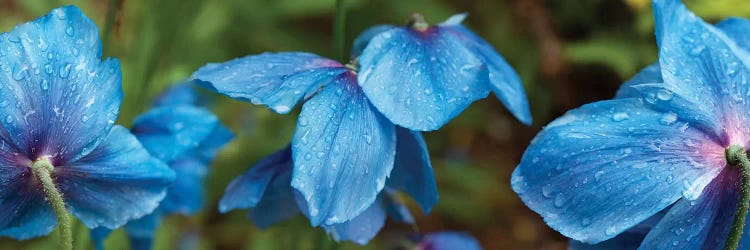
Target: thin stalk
<point>43,170</point>
<point>339,31</point>
<point>737,156</point>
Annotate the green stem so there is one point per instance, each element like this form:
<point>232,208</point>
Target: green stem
<point>737,156</point>
<point>43,170</point>
<point>339,31</point>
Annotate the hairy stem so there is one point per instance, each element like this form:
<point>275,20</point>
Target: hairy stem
<point>339,31</point>
<point>737,156</point>
<point>43,170</point>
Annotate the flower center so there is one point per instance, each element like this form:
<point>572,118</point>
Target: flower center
<point>418,22</point>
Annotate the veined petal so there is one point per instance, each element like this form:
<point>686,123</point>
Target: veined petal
<point>248,189</point>
<point>648,75</point>
<point>628,240</point>
<point>168,132</point>
<point>738,29</point>
<point>705,67</point>
<point>343,151</point>
<point>364,38</point>
<point>421,79</point>
<point>606,166</point>
<point>412,171</point>
<point>185,195</point>
<point>25,212</point>
<point>448,241</point>
<point>276,80</point>
<point>360,229</point>
<point>700,224</point>
<point>117,182</point>
<point>278,201</point>
<point>504,81</point>
<point>57,97</point>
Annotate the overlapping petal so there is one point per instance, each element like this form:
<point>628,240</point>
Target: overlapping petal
<point>605,167</point>
<point>412,170</point>
<point>248,189</point>
<point>168,132</point>
<point>364,38</point>
<point>360,229</point>
<point>421,79</point>
<point>185,195</point>
<point>57,97</point>
<point>276,80</point>
<point>25,212</point>
<point>343,151</point>
<point>117,182</point>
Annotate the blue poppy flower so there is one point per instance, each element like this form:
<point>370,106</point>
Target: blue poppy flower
<point>59,102</point>
<point>420,76</point>
<point>343,149</point>
<point>265,189</point>
<point>607,166</point>
<point>186,137</point>
<point>448,241</point>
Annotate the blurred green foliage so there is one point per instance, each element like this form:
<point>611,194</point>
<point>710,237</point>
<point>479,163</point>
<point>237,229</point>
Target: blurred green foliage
<point>567,53</point>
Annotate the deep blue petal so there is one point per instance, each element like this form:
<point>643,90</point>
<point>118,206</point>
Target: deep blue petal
<point>395,207</point>
<point>185,195</point>
<point>278,202</point>
<point>184,93</point>
<point>364,38</point>
<point>343,151</point>
<point>738,29</point>
<point>98,235</point>
<point>117,182</point>
<point>705,68</point>
<point>141,231</point>
<point>360,229</point>
<point>170,131</point>
<point>421,79</point>
<point>700,224</point>
<point>249,188</point>
<point>448,241</point>
<point>504,81</point>
<point>606,166</point>
<point>276,80</point>
<point>648,75</point>
<point>25,212</point>
<point>57,98</point>
<point>412,171</point>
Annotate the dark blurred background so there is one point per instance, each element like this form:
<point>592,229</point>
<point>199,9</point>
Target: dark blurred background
<point>567,52</point>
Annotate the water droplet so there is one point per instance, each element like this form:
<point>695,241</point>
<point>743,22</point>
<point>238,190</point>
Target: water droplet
<point>620,116</point>
<point>547,191</point>
<point>69,30</point>
<point>560,200</point>
<point>308,156</point>
<point>611,230</point>
<point>65,70</point>
<point>45,84</point>
<point>598,175</point>
<point>668,118</point>
<point>664,95</point>
<point>586,221</point>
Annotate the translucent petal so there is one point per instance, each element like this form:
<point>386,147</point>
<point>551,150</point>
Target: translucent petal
<point>412,171</point>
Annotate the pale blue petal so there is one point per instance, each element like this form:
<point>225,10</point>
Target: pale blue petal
<point>360,229</point>
<point>170,131</point>
<point>276,80</point>
<point>117,182</point>
<point>249,188</point>
<point>738,29</point>
<point>185,195</point>
<point>504,81</point>
<point>703,66</point>
<point>648,75</point>
<point>448,241</point>
<point>343,151</point>
<point>364,38</point>
<point>700,224</point>
<point>642,160</point>
<point>57,98</point>
<point>412,171</point>
<point>421,80</point>
<point>456,19</point>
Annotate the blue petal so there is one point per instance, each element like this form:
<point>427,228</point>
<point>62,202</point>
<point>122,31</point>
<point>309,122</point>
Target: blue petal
<point>605,167</point>
<point>57,98</point>
<point>211,145</point>
<point>343,151</point>
<point>412,171</point>
<point>276,80</point>
<point>141,231</point>
<point>704,67</point>
<point>360,229</point>
<point>98,235</point>
<point>249,188</point>
<point>648,75</point>
<point>117,182</point>
<point>184,93</point>
<point>504,81</point>
<point>628,240</point>
<point>364,38</point>
<point>421,80</point>
<point>395,207</point>
<point>700,224</point>
<point>185,195</point>
<point>278,202</point>
<point>168,132</point>
<point>449,241</point>
<point>737,29</point>
<point>25,212</point>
